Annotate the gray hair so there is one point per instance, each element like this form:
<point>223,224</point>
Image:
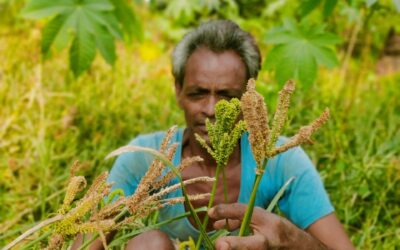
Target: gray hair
<point>218,36</point>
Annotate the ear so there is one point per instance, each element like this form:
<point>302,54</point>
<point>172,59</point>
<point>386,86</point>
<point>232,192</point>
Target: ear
<point>178,91</point>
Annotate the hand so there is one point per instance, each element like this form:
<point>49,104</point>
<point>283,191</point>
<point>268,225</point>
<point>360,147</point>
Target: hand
<point>270,231</point>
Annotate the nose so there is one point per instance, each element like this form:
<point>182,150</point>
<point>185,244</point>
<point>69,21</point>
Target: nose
<point>209,106</point>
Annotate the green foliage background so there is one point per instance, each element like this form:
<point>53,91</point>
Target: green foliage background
<point>48,118</point>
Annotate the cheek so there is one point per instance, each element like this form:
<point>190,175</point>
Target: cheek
<point>191,109</point>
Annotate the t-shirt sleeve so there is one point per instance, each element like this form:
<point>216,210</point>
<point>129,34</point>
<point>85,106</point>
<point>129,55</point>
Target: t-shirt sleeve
<point>130,167</point>
<point>306,200</point>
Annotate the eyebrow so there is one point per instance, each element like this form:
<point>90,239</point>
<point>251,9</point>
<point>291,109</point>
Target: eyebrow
<point>229,92</point>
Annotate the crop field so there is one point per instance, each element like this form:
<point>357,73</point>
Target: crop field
<point>49,118</point>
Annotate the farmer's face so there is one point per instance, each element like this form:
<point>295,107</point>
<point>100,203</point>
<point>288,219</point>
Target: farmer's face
<point>209,77</point>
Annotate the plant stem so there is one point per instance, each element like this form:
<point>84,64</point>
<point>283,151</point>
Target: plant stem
<point>115,242</point>
<point>244,227</point>
<point>32,230</point>
<point>225,187</point>
<point>33,242</point>
<point>210,203</point>
<point>94,236</point>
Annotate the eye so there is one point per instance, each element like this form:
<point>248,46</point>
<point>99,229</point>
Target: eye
<point>228,96</point>
<point>195,94</point>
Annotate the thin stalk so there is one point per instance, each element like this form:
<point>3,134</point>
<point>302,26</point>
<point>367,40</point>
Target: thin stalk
<point>157,225</point>
<point>210,203</point>
<point>169,164</point>
<point>32,230</point>
<point>197,219</point>
<point>30,244</point>
<point>278,196</point>
<point>94,237</point>
<point>225,188</point>
<point>244,227</point>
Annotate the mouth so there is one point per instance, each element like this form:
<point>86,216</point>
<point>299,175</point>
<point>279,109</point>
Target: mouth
<point>201,129</point>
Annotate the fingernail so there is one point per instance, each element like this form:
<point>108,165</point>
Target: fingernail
<point>211,211</point>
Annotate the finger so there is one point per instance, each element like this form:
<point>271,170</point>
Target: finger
<point>254,242</point>
<point>227,211</point>
<point>232,224</point>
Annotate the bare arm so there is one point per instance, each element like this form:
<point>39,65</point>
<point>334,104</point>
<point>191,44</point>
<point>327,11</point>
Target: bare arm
<point>330,231</point>
<point>273,232</point>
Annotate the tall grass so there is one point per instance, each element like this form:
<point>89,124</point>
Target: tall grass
<point>48,119</point>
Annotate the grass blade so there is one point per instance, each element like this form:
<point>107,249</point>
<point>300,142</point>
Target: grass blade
<point>278,195</point>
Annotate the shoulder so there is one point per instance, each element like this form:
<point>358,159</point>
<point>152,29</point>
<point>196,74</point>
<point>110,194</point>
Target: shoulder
<point>129,167</point>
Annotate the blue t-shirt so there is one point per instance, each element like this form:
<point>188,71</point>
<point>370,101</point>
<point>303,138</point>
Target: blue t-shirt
<point>304,202</point>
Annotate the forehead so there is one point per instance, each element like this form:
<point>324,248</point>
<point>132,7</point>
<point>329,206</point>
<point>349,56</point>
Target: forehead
<point>220,70</point>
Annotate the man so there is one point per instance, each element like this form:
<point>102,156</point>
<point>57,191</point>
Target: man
<point>212,63</point>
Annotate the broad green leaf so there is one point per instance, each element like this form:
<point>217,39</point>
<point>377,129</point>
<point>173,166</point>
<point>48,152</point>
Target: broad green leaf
<point>329,5</point>
<point>325,39</point>
<point>36,9</point>
<point>98,5</point>
<point>295,62</point>
<point>105,44</point>
<point>307,6</point>
<point>82,51</point>
<point>299,50</point>
<point>278,36</point>
<point>89,24</point>
<point>107,20</point>
<point>66,33</point>
<point>130,23</point>
<point>324,56</point>
<point>50,32</point>
<point>182,9</point>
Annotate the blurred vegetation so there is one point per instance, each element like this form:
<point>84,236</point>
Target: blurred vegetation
<point>49,118</point>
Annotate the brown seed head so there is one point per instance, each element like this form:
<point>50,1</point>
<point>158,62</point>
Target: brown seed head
<point>189,161</point>
<point>256,117</point>
<point>280,114</point>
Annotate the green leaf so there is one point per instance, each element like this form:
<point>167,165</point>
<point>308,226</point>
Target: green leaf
<point>130,23</point>
<point>105,44</point>
<point>36,9</point>
<point>279,195</point>
<point>296,62</point>
<point>83,51</point>
<point>279,35</point>
<point>107,20</point>
<point>50,32</point>
<point>89,24</point>
<point>66,32</point>
<point>307,6</point>
<point>325,56</point>
<point>183,9</point>
<point>329,5</point>
<point>299,49</point>
<point>99,5</point>
<point>325,39</point>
